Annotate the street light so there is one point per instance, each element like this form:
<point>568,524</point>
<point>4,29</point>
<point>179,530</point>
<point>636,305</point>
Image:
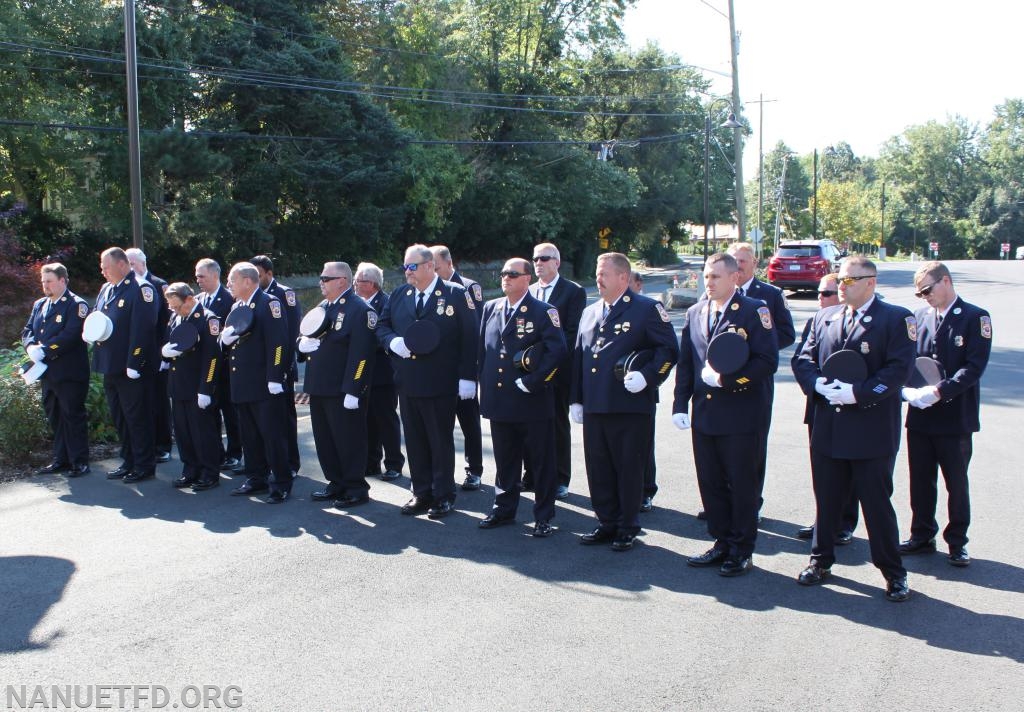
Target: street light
<point>730,123</point>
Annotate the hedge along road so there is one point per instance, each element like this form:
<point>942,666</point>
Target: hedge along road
<point>305,607</point>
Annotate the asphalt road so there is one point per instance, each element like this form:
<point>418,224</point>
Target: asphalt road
<point>303,607</point>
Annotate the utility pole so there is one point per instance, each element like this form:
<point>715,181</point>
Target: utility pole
<point>134,159</point>
<point>814,208</point>
<point>761,101</point>
<point>741,207</point>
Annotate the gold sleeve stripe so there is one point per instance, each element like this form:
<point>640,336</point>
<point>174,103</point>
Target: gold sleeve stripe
<point>359,369</point>
<point>277,355</point>
<point>209,375</point>
<point>665,367</point>
<point>742,379</point>
<point>137,351</point>
<point>551,375</point>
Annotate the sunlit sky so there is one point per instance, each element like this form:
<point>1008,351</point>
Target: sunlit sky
<point>859,72</point>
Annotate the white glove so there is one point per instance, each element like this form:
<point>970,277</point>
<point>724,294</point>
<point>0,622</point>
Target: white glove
<point>351,402</point>
<point>681,421</point>
<point>842,395</point>
<point>308,345</point>
<point>522,386</point>
<point>576,413</point>
<point>711,377</point>
<point>634,382</point>
<point>165,366</point>
<point>36,352</point>
<point>398,347</point>
<point>928,396</point>
<point>228,336</point>
<point>170,351</point>
<point>203,400</point>
<point>822,389</point>
<point>275,388</point>
<point>467,389</point>
<point>909,394</point>
<point>133,374</point>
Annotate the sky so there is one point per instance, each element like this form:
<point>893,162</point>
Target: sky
<point>856,71</point>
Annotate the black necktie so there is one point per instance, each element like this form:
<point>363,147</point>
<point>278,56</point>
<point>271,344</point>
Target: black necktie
<point>421,304</point>
<point>544,293</point>
<point>938,321</point>
<point>714,321</point>
<point>604,312</point>
<point>46,308</point>
<point>508,311</point>
<point>848,325</point>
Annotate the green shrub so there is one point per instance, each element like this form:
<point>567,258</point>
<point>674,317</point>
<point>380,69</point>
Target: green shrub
<point>23,427</point>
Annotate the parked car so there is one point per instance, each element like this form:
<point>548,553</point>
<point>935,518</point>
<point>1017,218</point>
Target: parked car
<point>801,265</point>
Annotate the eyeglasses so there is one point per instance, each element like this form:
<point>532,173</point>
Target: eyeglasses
<point>412,266</point>
<point>850,281</point>
<point>364,281</point>
<point>827,293</point>
<point>324,279</point>
<point>925,291</point>
<point>512,274</point>
<point>543,258</point>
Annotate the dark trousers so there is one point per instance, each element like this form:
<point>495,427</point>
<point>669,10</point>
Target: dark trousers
<point>128,400</point>
<point>651,470</point>
<point>613,444</point>
<point>563,438</point>
<point>264,427</point>
<point>729,478</point>
<point>429,426</point>
<point>851,509</point>
<point>198,440</point>
<point>161,405</point>
<point>340,437</point>
<point>926,455</point>
<point>871,481</point>
<point>468,412</point>
<point>383,431</point>
<point>292,423</point>
<point>514,444</point>
<point>64,404</point>
<point>225,412</point>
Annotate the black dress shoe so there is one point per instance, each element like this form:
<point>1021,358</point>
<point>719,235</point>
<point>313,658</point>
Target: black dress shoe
<point>543,529</point>
<point>417,505</point>
<point>390,475</point>
<point>53,468</point>
<point>492,521</point>
<point>472,482</point>
<point>917,546</point>
<point>737,566</point>
<point>78,471</point>
<point>805,532</point>
<point>183,481</point>
<point>711,557</point>
<point>812,575</point>
<point>231,464</point>
<point>562,492</point>
<point>623,542</point>
<point>959,557</point>
<point>325,494</point>
<point>278,496</point>
<point>118,472</point>
<point>351,500</point>
<point>844,537</point>
<point>526,486</point>
<point>598,536</point>
<point>441,509</point>
<point>647,505</point>
<point>250,486</point>
<point>897,590</point>
<point>702,515</point>
<point>203,485</point>
<point>139,476</point>
<point>163,456</point>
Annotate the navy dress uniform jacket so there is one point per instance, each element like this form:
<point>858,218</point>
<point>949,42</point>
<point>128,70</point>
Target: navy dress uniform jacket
<point>885,336</point>
<point>743,403</point>
<point>781,316</point>
<point>570,299</point>
<point>198,370</point>
<point>962,344</point>
<point>163,312</point>
<point>635,322</point>
<point>438,373</point>
<point>474,290</point>
<point>132,307</point>
<point>533,322</point>
<point>220,305</point>
<point>60,334</point>
<point>344,362</point>
<point>383,372</point>
<point>293,317</point>
<point>260,356</point>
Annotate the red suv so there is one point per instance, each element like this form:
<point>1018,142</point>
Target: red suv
<point>801,265</point>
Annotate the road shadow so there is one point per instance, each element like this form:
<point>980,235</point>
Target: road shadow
<point>29,587</point>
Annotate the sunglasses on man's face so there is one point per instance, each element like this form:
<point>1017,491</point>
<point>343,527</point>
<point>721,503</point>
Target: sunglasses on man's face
<point>543,258</point>
<point>925,291</point>
<point>324,279</point>
<point>512,274</point>
<point>850,281</point>
<point>827,293</point>
<point>412,266</point>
